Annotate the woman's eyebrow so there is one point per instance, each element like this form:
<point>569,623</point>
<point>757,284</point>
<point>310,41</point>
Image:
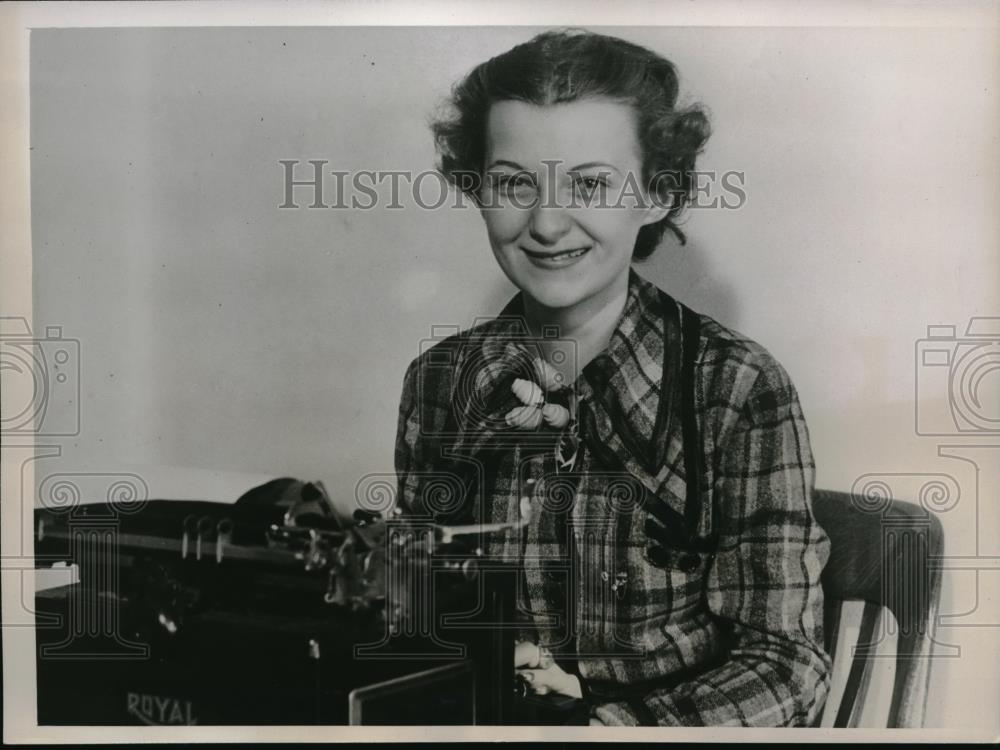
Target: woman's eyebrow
<point>505,163</point>
<point>592,164</point>
<point>577,168</point>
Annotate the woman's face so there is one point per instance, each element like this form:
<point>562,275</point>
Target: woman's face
<point>563,198</point>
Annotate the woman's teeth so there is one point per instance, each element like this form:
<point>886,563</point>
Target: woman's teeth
<point>556,260</point>
<point>558,256</point>
<point>570,253</point>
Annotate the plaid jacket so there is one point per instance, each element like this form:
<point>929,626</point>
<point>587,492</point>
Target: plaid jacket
<point>726,630</point>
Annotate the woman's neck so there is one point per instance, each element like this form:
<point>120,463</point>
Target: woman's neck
<point>589,324</point>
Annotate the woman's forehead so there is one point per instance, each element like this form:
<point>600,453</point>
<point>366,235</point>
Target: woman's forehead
<point>571,133</point>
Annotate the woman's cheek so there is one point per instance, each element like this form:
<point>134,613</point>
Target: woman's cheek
<point>614,229</point>
<point>505,225</point>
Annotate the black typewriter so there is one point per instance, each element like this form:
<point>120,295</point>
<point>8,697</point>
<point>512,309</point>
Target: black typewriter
<point>269,611</point>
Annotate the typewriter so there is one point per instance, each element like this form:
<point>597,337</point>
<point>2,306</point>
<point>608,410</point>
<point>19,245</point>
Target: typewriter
<point>269,611</point>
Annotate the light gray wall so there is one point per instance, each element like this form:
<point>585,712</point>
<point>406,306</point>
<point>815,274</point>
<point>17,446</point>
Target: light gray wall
<point>218,332</point>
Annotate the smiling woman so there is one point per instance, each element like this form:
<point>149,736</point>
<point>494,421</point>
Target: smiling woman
<point>572,251</point>
<point>658,462</point>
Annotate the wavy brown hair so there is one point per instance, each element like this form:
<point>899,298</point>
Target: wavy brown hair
<point>565,66</point>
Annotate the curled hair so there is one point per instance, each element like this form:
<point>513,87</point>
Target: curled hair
<point>556,67</point>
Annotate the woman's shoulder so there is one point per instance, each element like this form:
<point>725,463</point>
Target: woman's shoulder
<point>736,365</point>
<point>440,354</point>
<point>728,361</point>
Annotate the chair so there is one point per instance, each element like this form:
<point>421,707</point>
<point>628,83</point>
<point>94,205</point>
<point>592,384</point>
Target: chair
<point>881,554</point>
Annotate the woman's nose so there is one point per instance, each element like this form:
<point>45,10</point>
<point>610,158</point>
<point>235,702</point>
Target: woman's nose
<point>548,224</point>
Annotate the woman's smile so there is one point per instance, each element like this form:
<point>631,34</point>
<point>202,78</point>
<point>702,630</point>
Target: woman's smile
<point>554,260</point>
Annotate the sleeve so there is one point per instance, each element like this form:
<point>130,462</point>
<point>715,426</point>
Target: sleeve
<point>407,451</point>
<point>764,581</point>
<point>425,481</point>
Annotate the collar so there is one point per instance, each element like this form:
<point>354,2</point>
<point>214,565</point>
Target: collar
<point>628,395</point>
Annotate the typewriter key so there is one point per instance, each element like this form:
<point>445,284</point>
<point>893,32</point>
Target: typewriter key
<point>205,525</point>
<point>190,524</point>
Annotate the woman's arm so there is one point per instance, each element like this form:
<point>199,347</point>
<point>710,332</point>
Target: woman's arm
<point>764,580</point>
<point>424,408</point>
<point>407,451</point>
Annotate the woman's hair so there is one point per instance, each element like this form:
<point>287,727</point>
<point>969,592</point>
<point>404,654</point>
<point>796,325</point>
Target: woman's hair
<point>565,66</point>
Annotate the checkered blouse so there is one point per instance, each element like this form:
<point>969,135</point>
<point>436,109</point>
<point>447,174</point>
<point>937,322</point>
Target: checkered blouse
<point>726,630</point>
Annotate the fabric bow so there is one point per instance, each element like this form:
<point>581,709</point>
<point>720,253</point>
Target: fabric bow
<point>535,408</point>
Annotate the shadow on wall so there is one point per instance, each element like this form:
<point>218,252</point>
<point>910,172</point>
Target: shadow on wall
<point>684,272</point>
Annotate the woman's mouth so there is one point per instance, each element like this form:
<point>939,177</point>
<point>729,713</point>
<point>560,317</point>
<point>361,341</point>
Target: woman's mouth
<point>560,259</point>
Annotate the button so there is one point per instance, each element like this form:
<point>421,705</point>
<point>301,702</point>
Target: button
<point>658,556</point>
<point>689,563</point>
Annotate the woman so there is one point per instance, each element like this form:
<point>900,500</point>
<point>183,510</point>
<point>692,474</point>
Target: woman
<point>671,562</point>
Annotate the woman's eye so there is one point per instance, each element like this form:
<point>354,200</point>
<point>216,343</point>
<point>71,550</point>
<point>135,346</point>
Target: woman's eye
<point>511,183</point>
<point>512,180</point>
<point>589,184</point>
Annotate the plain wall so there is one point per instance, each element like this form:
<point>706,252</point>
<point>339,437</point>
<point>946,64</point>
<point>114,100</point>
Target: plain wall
<point>218,332</point>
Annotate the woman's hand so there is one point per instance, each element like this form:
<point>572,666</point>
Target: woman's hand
<point>538,669</point>
<point>552,680</point>
<point>527,654</point>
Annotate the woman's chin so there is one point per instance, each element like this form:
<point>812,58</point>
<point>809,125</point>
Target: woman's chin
<point>555,295</point>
